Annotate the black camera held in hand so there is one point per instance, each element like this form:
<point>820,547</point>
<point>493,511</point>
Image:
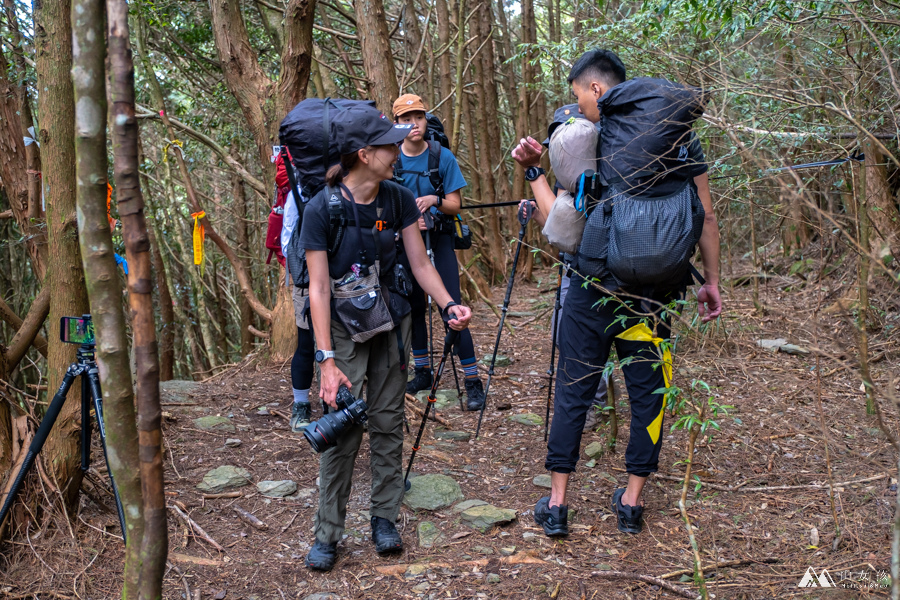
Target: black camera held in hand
<point>324,433</point>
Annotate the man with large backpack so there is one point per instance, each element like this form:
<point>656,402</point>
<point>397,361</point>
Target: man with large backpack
<point>645,216</point>
<point>428,168</point>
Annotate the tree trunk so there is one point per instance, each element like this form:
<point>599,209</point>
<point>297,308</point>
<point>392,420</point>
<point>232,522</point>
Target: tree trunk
<point>154,542</point>
<point>166,313</point>
<point>104,288</point>
<point>243,251</point>
<point>446,75</point>
<point>68,296</point>
<point>883,213</point>
<point>378,60</point>
<point>14,164</point>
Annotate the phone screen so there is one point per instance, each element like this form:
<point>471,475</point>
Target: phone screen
<point>76,330</point>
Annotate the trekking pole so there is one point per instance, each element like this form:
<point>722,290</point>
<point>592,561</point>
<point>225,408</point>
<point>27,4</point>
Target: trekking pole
<point>524,214</point>
<point>550,371</point>
<point>449,341</point>
<point>456,378</point>
<point>429,225</point>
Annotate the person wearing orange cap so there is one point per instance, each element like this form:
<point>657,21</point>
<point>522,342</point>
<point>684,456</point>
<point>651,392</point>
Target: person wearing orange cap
<point>439,205</point>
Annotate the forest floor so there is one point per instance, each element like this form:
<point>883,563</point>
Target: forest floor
<point>763,509</point>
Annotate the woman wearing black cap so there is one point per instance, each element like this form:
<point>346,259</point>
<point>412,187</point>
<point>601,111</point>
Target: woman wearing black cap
<point>376,208</point>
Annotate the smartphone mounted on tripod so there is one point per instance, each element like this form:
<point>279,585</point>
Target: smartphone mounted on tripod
<point>77,330</point>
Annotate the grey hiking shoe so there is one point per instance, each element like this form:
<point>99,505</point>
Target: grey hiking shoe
<point>300,414</point>
<point>555,521</point>
<point>422,380</point>
<point>474,394</point>
<point>321,556</point>
<point>385,535</point>
<point>629,519</point>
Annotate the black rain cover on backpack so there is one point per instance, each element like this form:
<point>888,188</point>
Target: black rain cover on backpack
<point>435,130</point>
<point>644,231</point>
<point>305,131</point>
<point>645,129</point>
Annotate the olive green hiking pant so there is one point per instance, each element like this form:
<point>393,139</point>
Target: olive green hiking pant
<point>378,362</point>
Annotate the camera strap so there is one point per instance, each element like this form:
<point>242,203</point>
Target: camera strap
<point>379,209</point>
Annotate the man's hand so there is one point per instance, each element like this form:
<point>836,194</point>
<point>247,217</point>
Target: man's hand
<point>709,302</point>
<point>426,202</point>
<point>422,226</point>
<point>528,152</point>
<point>462,315</point>
<point>331,379</point>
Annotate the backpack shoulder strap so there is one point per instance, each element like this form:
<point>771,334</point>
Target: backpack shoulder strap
<point>337,220</point>
<point>434,167</point>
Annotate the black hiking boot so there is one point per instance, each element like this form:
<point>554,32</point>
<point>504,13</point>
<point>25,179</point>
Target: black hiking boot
<point>385,535</point>
<point>422,380</point>
<point>555,521</point>
<point>474,394</point>
<point>321,556</point>
<point>300,415</point>
<point>629,519</point>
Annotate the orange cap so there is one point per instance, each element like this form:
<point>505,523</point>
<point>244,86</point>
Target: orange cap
<point>407,103</point>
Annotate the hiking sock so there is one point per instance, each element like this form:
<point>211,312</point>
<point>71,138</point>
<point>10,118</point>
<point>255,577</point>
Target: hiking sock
<point>301,395</point>
<point>420,358</point>
<point>469,367</point>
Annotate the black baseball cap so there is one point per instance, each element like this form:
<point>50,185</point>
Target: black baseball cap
<point>359,126</point>
<point>562,114</point>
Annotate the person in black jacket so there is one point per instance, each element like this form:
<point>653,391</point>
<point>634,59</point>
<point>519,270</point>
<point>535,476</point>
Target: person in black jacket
<point>368,144</point>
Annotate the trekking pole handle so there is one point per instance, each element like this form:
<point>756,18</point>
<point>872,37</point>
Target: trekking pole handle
<point>526,209</point>
<point>429,219</point>
<point>452,335</point>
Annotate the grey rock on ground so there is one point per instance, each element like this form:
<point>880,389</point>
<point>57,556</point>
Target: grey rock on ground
<point>467,504</point>
<point>486,516</point>
<point>429,534</point>
<point>502,360</point>
<point>214,423</point>
<point>178,390</point>
<point>224,477</point>
<point>431,492</point>
<point>277,489</point>
<point>542,481</point>
<point>456,436</point>
<point>527,419</point>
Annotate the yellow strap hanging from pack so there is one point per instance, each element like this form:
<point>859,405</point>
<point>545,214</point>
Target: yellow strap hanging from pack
<point>199,238</point>
<point>642,333</point>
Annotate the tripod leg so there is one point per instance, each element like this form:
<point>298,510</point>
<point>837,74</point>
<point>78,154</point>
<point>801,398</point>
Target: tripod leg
<point>456,378</point>
<point>40,436</point>
<point>85,424</point>
<point>96,396</point>
<point>449,340</point>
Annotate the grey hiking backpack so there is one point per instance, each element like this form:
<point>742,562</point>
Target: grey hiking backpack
<point>646,217</point>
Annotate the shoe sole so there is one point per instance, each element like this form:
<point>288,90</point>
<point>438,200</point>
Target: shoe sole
<point>316,567</point>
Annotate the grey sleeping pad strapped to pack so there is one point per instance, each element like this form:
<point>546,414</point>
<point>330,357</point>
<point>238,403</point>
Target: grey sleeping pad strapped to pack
<point>635,238</point>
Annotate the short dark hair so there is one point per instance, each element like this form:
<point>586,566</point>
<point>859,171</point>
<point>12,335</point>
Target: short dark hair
<point>601,64</point>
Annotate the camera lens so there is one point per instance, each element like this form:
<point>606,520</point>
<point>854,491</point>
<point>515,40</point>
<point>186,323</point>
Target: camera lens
<point>324,433</point>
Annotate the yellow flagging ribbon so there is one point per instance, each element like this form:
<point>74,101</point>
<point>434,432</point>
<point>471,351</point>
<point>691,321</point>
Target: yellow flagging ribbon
<point>199,238</point>
<point>642,333</point>
<point>178,143</point>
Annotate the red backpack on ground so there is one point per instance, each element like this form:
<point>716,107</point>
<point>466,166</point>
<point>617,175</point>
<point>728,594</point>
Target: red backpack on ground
<point>276,217</point>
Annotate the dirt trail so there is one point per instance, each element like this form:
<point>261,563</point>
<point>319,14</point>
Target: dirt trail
<point>768,534</point>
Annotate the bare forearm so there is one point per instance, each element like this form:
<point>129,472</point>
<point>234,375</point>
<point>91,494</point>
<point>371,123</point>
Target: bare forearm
<point>709,249</point>
<point>544,198</point>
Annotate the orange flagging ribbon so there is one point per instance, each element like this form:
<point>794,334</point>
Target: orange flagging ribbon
<point>112,222</point>
<point>199,237</point>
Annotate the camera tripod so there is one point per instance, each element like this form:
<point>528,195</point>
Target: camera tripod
<point>86,367</point>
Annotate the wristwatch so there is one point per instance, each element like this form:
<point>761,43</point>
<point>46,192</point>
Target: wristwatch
<point>532,173</point>
<point>323,355</point>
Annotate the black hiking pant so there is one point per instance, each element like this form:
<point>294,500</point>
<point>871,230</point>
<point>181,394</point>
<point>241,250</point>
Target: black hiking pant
<point>447,267</point>
<point>590,322</point>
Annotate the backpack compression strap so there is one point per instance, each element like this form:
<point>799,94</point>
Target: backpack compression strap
<point>292,180</point>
